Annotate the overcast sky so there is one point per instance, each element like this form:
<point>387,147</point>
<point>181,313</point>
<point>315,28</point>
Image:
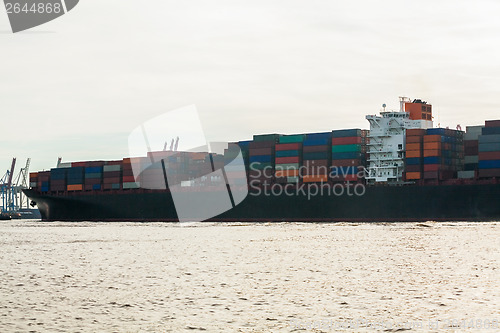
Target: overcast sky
<point>77,86</point>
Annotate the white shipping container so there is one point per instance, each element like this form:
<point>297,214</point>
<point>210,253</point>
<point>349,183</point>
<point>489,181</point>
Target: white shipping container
<point>466,174</point>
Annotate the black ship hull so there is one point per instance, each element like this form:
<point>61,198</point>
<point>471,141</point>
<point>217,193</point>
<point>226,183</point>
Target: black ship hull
<point>476,202</point>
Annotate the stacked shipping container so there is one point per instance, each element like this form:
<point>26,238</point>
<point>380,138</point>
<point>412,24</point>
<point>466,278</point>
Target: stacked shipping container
<point>288,158</point>
<point>414,154</point>
<point>443,153</point>
<point>316,157</point>
<point>262,158</point>
<point>489,150</point>
<point>471,152</point>
<point>348,154</point>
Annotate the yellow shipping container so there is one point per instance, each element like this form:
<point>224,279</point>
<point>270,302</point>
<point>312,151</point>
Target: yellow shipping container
<point>287,173</point>
<point>78,187</point>
<point>413,175</point>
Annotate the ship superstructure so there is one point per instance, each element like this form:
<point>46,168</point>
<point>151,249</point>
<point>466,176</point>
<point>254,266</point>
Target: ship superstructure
<point>386,149</point>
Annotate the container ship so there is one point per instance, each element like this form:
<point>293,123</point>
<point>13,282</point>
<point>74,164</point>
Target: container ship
<point>401,169</point>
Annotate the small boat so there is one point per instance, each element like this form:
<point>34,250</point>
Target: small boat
<point>4,216</point>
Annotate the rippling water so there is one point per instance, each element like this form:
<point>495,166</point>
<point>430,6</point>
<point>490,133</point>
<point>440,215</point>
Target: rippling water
<point>160,277</point>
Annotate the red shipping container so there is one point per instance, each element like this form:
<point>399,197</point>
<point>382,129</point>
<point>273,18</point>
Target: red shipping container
<point>288,146</point>
<point>78,164</point>
<point>261,151</point>
<point>431,175</point>
<point>128,179</point>
<point>95,164</point>
<point>351,178</point>
<point>315,167</point>
<point>471,143</point>
<point>283,160</point>
<point>92,181</point>
<point>116,180</point>
<point>471,151</point>
<point>351,140</point>
<point>492,123</point>
<point>432,167</point>
<point>309,163</point>
<point>489,155</point>
<point>413,168</point>
<point>346,162</point>
<point>112,174</point>
<point>487,173</point>
<point>119,162</point>
<point>315,149</point>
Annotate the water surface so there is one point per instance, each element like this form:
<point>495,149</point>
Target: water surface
<point>236,277</point>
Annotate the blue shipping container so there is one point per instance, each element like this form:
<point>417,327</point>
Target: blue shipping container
<point>93,169</point>
<point>347,155</point>
<point>287,153</point>
<point>483,147</point>
<point>244,144</point>
<point>436,131</point>
<point>73,181</point>
<point>93,175</point>
<point>319,136</point>
<point>316,142</point>
<point>260,158</point>
<point>413,161</point>
<point>491,130</point>
<point>346,133</point>
<point>493,138</point>
<point>316,156</point>
<point>75,171</point>
<point>470,166</point>
<point>432,160</point>
<point>58,174</point>
<point>96,186</point>
<point>489,164</point>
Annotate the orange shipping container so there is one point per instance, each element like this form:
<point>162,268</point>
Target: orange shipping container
<point>413,175</point>
<point>415,132</point>
<point>287,173</point>
<point>316,178</point>
<point>430,153</point>
<point>413,139</point>
<point>413,146</point>
<point>432,146</point>
<point>413,153</point>
<point>432,138</point>
<point>78,187</point>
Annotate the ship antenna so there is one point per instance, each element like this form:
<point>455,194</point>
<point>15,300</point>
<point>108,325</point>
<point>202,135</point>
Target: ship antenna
<point>172,145</point>
<point>176,144</point>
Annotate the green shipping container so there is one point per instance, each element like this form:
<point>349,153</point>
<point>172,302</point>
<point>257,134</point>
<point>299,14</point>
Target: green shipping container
<point>266,137</point>
<point>292,138</point>
<point>287,166</point>
<point>131,185</point>
<point>292,179</point>
<point>346,148</point>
